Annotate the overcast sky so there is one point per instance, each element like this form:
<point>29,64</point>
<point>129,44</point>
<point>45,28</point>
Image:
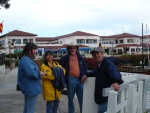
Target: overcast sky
<point>48,18</point>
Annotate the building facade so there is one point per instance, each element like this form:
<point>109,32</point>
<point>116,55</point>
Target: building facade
<point>124,43</point>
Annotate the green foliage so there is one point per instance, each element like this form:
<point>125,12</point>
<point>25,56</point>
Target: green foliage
<point>13,55</point>
<point>131,59</point>
<point>5,3</point>
<point>90,63</point>
<point>119,61</point>
<point>7,62</point>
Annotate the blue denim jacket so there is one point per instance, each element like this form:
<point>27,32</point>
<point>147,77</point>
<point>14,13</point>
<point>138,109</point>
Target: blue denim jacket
<point>29,79</point>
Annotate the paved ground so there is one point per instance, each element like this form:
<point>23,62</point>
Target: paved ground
<point>11,101</point>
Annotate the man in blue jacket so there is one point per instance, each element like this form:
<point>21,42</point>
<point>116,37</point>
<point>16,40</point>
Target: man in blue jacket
<point>76,70</point>
<point>106,75</point>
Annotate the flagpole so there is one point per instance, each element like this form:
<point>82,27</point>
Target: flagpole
<point>147,46</point>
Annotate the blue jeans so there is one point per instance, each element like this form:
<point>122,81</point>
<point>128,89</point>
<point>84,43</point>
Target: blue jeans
<point>29,104</point>
<point>74,86</point>
<point>51,106</point>
<point>102,107</point>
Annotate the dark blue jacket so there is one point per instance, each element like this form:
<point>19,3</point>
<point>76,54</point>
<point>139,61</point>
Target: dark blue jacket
<point>64,62</point>
<point>59,81</point>
<point>106,75</point>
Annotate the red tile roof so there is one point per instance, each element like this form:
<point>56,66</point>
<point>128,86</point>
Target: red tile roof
<point>123,35</point>
<point>18,33</point>
<point>58,47</point>
<point>77,33</point>
<point>146,36</point>
<point>43,39</point>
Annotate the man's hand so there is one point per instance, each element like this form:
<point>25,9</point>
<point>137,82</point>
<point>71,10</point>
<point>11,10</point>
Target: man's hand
<point>116,86</point>
<point>84,78</point>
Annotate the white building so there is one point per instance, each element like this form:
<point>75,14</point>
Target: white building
<point>21,39</point>
<point>57,44</point>
<point>124,43</point>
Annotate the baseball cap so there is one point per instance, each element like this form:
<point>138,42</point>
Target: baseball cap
<point>96,49</point>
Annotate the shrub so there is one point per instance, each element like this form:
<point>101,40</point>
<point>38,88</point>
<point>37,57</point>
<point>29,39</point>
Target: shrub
<point>90,63</point>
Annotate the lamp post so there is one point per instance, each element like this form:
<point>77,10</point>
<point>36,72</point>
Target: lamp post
<point>112,49</point>
<point>9,46</point>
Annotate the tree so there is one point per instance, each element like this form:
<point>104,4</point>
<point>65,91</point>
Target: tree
<point>5,4</point>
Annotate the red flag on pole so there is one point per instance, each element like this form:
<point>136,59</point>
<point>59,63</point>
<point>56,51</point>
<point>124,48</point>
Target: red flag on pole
<point>1,27</point>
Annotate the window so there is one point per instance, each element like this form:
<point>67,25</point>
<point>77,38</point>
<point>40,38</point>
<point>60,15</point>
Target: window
<point>119,51</point>
<point>94,41</point>
<point>30,40</point>
<point>25,41</point>
<point>121,41</point>
<point>2,42</point>
<point>80,41</point>
<point>130,40</point>
<point>132,49</point>
<point>18,41</point>
<point>89,41</point>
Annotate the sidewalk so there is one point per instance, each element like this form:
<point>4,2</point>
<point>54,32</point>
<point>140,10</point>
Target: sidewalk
<point>14,100</point>
<point>8,70</point>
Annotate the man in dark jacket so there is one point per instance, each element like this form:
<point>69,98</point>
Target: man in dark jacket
<point>106,75</point>
<point>76,70</point>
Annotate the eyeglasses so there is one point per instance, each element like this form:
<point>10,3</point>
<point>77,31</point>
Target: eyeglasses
<point>72,48</point>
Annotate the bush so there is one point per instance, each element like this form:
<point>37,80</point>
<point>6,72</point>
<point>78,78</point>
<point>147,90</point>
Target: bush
<point>90,63</point>
<point>13,55</point>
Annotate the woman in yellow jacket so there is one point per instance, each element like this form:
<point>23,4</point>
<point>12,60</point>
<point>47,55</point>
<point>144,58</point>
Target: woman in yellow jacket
<point>50,94</point>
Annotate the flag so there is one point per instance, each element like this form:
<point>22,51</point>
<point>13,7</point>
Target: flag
<point>1,27</point>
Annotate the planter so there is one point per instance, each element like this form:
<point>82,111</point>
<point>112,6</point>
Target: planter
<point>2,70</point>
<point>12,64</point>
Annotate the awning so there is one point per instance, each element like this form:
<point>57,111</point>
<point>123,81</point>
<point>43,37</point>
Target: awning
<point>17,51</point>
<point>50,50</point>
<point>63,49</point>
<point>40,50</point>
<point>83,49</point>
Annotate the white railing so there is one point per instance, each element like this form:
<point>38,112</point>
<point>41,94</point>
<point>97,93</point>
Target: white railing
<point>127,100</point>
<point>134,100</point>
<point>133,96</point>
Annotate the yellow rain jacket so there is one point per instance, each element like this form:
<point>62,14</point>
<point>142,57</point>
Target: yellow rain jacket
<point>49,92</point>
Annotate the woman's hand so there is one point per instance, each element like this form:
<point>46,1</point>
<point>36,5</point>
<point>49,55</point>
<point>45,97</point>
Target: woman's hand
<point>42,73</point>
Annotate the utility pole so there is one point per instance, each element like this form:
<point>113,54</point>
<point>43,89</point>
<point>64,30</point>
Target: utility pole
<point>147,47</point>
<point>142,50</point>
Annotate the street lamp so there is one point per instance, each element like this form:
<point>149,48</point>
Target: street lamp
<point>112,49</point>
<point>9,46</point>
